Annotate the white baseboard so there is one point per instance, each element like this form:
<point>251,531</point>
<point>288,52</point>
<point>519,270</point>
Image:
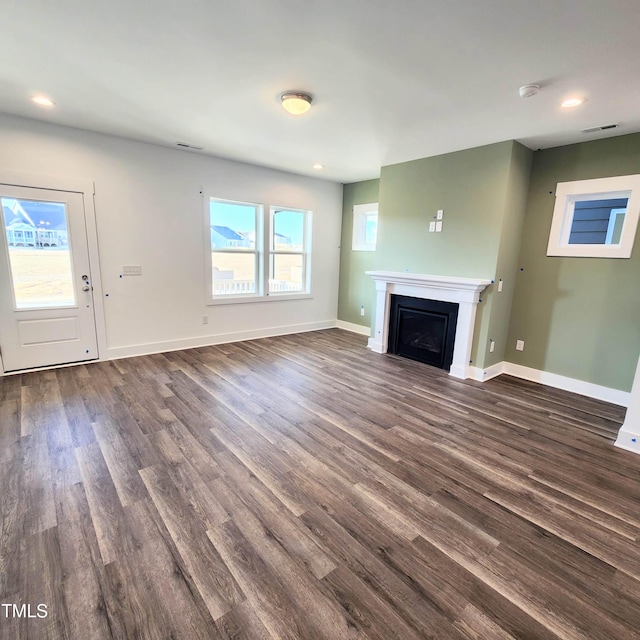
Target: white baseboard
<point>628,440</point>
<point>116,353</point>
<point>462,373</point>
<point>376,345</point>
<point>615,396</point>
<point>354,328</point>
<point>482,375</point>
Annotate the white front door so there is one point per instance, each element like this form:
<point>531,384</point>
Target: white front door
<point>46,297</point>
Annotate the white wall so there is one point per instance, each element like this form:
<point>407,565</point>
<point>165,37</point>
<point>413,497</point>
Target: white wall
<point>150,212</point>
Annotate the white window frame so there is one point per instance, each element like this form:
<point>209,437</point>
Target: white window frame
<point>360,214</point>
<point>568,193</point>
<point>612,223</point>
<point>263,251</point>
<point>305,253</point>
<point>257,252</point>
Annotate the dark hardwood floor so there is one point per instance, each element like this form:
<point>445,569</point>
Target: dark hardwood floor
<point>304,487</point>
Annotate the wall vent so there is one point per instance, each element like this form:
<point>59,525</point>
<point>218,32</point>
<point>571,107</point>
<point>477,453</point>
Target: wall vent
<point>184,145</point>
<point>603,127</point>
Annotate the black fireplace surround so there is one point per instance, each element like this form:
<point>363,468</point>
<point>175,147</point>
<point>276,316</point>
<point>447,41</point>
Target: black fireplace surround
<point>423,330</point>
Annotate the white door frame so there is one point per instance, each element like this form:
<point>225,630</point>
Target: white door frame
<point>87,189</point>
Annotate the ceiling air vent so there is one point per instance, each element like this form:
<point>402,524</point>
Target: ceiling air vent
<point>184,145</point>
<point>603,127</point>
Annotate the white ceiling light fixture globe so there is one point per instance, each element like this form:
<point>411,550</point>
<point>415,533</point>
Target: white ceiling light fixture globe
<point>570,103</point>
<point>528,90</point>
<point>43,101</point>
<point>296,103</point>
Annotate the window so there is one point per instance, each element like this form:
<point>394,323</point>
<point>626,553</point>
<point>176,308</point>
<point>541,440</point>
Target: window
<point>598,221</point>
<point>39,259</point>
<point>595,218</point>
<point>365,227</point>
<point>255,256</point>
<point>289,251</point>
<point>235,233</point>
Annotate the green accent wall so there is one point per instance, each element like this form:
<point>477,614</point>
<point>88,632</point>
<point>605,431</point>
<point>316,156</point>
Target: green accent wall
<point>579,317</point>
<point>482,192</point>
<point>356,289</point>
<point>497,326</point>
<point>470,187</point>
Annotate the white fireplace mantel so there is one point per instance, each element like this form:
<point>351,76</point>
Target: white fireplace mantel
<point>463,291</point>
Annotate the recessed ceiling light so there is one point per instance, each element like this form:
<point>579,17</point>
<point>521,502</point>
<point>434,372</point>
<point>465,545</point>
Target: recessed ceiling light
<point>43,101</point>
<point>317,165</point>
<point>572,102</point>
<point>296,103</point>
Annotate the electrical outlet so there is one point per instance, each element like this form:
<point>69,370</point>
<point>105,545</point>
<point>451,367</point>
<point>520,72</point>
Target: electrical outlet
<point>439,214</point>
<point>432,226</point>
<point>500,285</point>
<point>362,311</point>
<point>438,226</point>
<point>492,346</point>
<point>519,345</point>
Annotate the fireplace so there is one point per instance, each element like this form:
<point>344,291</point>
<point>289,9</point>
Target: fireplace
<point>464,292</point>
<point>423,330</point>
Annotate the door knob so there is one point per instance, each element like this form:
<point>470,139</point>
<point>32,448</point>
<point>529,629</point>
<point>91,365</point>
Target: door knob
<point>86,288</point>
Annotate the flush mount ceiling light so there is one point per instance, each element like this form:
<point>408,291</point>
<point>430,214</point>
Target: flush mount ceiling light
<point>295,102</point>
<point>317,165</point>
<point>528,90</point>
<point>569,103</point>
<point>43,101</point>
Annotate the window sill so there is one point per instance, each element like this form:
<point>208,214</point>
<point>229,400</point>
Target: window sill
<point>274,297</point>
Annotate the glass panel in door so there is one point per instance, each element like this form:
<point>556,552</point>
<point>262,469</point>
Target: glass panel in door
<point>39,253</point>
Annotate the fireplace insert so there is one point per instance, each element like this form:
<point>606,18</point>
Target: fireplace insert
<point>423,330</point>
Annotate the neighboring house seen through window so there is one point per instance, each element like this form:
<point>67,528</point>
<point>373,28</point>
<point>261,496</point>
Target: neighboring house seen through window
<point>595,218</point>
<point>289,251</point>
<point>235,265</point>
<point>257,257</point>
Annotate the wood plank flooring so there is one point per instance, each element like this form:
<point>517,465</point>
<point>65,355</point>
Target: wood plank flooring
<point>303,487</point>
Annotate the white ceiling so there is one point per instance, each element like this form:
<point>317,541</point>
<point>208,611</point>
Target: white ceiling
<point>392,80</point>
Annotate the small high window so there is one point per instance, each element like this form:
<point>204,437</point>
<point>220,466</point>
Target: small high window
<point>595,218</point>
<point>365,227</point>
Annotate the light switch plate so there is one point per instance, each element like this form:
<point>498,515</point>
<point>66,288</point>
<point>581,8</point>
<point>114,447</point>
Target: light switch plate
<point>132,270</point>
<point>438,226</point>
<point>432,226</point>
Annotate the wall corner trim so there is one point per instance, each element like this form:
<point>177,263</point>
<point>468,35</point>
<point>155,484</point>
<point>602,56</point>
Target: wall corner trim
<point>628,440</point>
<point>629,434</point>
<point>482,375</point>
<point>354,328</point>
